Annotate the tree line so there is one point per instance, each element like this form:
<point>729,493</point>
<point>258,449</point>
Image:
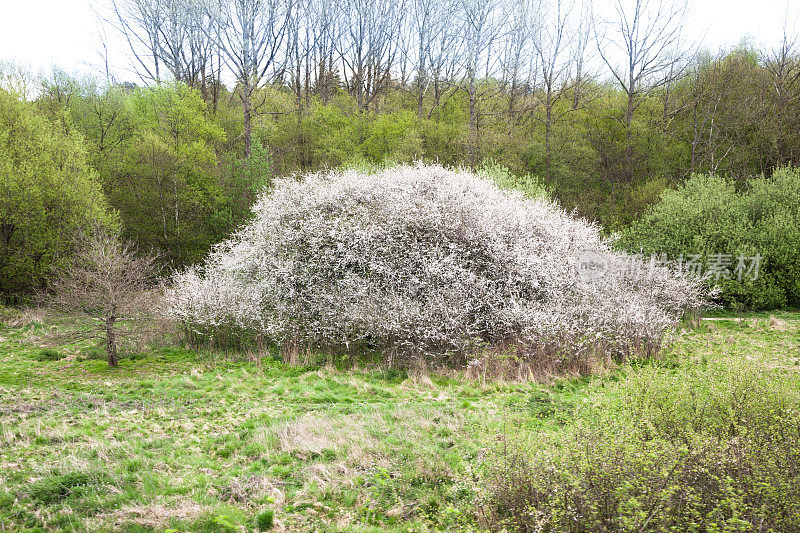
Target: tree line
<point>548,87</point>
<point>605,113</point>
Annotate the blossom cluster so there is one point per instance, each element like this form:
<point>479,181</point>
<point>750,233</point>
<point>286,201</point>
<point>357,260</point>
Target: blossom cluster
<point>425,262</point>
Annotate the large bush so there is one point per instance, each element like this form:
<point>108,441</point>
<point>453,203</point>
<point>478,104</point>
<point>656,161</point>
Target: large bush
<point>708,218</point>
<point>427,262</point>
<point>47,192</point>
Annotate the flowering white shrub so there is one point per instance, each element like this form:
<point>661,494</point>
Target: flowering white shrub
<point>430,263</point>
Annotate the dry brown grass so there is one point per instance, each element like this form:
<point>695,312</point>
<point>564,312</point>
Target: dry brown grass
<point>153,515</point>
<point>18,318</point>
<point>253,489</point>
<point>777,324</point>
<point>309,434</point>
<point>506,364</point>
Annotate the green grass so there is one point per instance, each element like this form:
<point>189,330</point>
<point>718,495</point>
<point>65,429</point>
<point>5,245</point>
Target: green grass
<point>174,439</point>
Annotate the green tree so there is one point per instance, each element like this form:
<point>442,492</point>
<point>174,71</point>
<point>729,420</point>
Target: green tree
<point>47,192</point>
<point>165,182</point>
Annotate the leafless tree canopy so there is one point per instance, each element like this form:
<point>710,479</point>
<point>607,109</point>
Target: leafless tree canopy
<point>106,281</point>
<point>533,49</point>
<point>646,35</point>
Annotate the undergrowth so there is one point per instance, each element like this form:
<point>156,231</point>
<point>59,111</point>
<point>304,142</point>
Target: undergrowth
<point>711,445</point>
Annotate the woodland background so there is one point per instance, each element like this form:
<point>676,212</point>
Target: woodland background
<point>604,112</point>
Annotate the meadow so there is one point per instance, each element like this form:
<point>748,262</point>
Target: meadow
<point>179,440</point>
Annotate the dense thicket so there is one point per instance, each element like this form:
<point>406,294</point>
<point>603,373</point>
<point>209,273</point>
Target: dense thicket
<point>428,265</point>
<point>48,191</point>
<point>711,223</point>
<point>706,447</point>
<point>163,160</point>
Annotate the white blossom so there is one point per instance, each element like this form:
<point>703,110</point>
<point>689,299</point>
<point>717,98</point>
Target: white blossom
<point>426,262</point>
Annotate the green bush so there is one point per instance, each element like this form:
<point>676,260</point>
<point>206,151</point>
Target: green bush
<point>697,449</point>
<point>530,185</point>
<point>49,355</point>
<point>708,216</point>
<point>265,520</point>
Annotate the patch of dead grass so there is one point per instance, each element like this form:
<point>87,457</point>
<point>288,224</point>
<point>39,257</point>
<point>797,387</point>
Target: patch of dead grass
<point>777,324</point>
<point>312,434</point>
<point>154,515</point>
<point>252,489</point>
<point>18,318</point>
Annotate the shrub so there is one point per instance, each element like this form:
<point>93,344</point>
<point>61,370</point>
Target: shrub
<point>430,265</point>
<point>707,216</point>
<point>701,449</point>
<point>528,184</point>
<point>265,520</point>
<point>47,354</point>
<point>106,281</point>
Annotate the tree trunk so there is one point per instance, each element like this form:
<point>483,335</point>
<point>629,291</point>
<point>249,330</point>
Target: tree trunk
<point>576,93</point>
<point>111,342</point>
<point>245,96</point>
<point>473,123</point>
<point>248,128</point>
<point>421,78</point>
<point>548,127</point>
<point>627,171</point>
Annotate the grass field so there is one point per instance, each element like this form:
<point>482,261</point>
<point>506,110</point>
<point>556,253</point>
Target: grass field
<point>196,441</point>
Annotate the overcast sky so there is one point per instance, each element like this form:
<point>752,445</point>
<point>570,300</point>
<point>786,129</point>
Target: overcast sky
<point>42,33</point>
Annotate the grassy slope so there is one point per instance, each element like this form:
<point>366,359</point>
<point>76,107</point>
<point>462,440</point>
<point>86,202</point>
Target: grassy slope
<point>188,441</point>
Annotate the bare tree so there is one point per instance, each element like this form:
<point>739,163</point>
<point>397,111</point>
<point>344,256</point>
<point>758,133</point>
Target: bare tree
<point>252,36</point>
<point>302,37</point>
<point>443,56</point>
<point>523,18</point>
<point>169,39</point>
<point>642,49</point>
<point>186,49</point>
<point>299,46</point>
<point>105,281</point>
<point>550,45</point>
<point>428,26</point>
<point>139,22</point>
<point>580,58</point>
<point>368,45</point>
<point>481,30</point>
<point>326,34</point>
